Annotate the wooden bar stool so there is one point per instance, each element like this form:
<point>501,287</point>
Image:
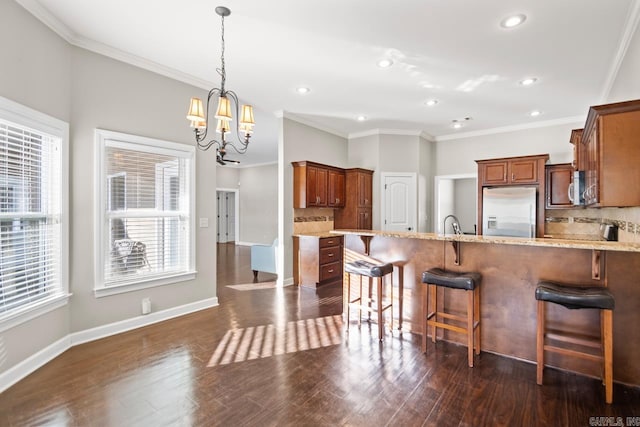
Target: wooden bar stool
<point>574,297</point>
<point>468,282</point>
<point>372,270</point>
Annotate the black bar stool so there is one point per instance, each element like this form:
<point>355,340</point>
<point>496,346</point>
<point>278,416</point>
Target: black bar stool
<point>371,270</point>
<point>468,282</point>
<point>578,297</point>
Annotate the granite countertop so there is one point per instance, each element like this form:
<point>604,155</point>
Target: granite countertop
<point>545,242</point>
<point>319,234</point>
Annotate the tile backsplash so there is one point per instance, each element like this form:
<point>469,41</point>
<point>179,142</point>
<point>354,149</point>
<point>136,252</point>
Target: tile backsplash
<point>312,220</point>
<point>585,223</point>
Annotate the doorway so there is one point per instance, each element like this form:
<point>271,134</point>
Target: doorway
<point>456,195</point>
<point>226,221</point>
<point>399,192</point>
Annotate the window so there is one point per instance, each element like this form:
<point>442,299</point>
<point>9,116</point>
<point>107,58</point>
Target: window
<point>145,191</point>
<point>33,221</point>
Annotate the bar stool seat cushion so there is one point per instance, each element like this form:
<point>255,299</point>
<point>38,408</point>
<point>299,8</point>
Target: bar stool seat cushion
<point>451,279</point>
<point>366,268</point>
<point>574,297</point>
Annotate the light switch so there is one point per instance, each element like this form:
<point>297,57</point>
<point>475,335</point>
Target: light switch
<point>204,222</point>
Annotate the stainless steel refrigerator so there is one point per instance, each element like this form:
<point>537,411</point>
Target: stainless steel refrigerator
<point>509,211</point>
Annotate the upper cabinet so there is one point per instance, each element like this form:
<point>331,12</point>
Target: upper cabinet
<point>511,171</point>
<point>611,140</point>
<point>558,180</point>
<point>335,188</point>
<point>317,185</point>
<point>578,149</point>
<point>525,170</point>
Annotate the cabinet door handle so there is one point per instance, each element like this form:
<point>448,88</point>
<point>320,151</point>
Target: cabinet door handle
<point>330,255</point>
<point>513,177</point>
<point>337,200</point>
<point>331,271</point>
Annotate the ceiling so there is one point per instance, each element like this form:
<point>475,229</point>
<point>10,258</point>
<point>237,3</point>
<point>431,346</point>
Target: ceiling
<point>454,51</point>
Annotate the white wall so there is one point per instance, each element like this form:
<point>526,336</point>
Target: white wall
<point>465,195</point>
<point>258,204</point>
<point>258,200</point>
<point>300,142</point>
<point>626,86</point>
<point>36,72</point>
<point>397,153</point>
<point>458,156</point>
<point>227,177</point>
<point>91,91</point>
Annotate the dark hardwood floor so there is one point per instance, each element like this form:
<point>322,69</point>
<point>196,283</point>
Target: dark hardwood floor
<point>274,357</point>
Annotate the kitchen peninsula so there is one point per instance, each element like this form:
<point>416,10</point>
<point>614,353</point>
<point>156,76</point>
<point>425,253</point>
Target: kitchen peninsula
<point>511,269</point>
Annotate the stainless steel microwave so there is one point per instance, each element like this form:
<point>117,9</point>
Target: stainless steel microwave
<point>576,189</point>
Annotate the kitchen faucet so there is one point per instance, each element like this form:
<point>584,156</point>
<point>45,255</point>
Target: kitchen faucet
<point>455,224</point>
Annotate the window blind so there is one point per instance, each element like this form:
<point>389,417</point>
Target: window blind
<point>147,213</point>
<point>30,217</point>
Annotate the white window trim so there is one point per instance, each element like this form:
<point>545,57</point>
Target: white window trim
<point>117,139</point>
<point>27,117</point>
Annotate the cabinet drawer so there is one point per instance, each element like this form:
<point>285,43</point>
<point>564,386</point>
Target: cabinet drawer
<point>329,255</point>
<point>326,242</point>
<point>330,271</point>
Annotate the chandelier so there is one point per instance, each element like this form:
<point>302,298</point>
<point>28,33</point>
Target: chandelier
<point>199,117</point>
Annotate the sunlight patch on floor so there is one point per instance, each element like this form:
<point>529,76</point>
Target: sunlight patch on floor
<point>257,342</point>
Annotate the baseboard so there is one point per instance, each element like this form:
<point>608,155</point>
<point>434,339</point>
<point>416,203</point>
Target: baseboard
<point>245,244</point>
<point>33,362</point>
<point>47,354</point>
<point>287,282</point>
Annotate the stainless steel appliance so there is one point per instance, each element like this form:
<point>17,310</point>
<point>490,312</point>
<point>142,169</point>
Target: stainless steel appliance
<point>576,189</point>
<point>509,211</point>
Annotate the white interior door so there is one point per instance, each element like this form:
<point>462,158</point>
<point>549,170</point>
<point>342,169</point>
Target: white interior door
<point>226,216</point>
<point>399,201</point>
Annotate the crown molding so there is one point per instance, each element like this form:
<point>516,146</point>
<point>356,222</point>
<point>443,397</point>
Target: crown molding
<point>633,18</point>
<point>307,122</point>
<point>400,132</point>
<point>513,128</point>
<point>34,7</point>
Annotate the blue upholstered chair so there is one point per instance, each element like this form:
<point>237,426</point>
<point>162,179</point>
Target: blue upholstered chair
<point>263,258</point>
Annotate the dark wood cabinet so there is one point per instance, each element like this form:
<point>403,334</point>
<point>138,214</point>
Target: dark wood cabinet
<point>517,170</point>
<point>524,170</point>
<point>317,185</point>
<point>578,149</point>
<point>357,210</point>
<point>557,181</point>
<point>317,260</point>
<point>335,188</point>
<point>612,152</point>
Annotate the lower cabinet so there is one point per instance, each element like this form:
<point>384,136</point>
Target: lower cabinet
<point>317,261</point>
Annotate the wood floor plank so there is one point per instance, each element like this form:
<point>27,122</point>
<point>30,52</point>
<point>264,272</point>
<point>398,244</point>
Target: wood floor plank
<point>293,364</point>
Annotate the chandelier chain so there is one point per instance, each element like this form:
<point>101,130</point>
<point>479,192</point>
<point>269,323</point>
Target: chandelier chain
<point>221,70</point>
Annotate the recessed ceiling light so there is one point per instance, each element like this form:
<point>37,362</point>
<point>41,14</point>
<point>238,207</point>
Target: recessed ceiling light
<point>303,90</point>
<point>513,21</point>
<point>385,63</point>
<point>458,123</point>
<point>535,113</point>
<point>528,81</point>
<point>431,102</point>
<point>361,118</point>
